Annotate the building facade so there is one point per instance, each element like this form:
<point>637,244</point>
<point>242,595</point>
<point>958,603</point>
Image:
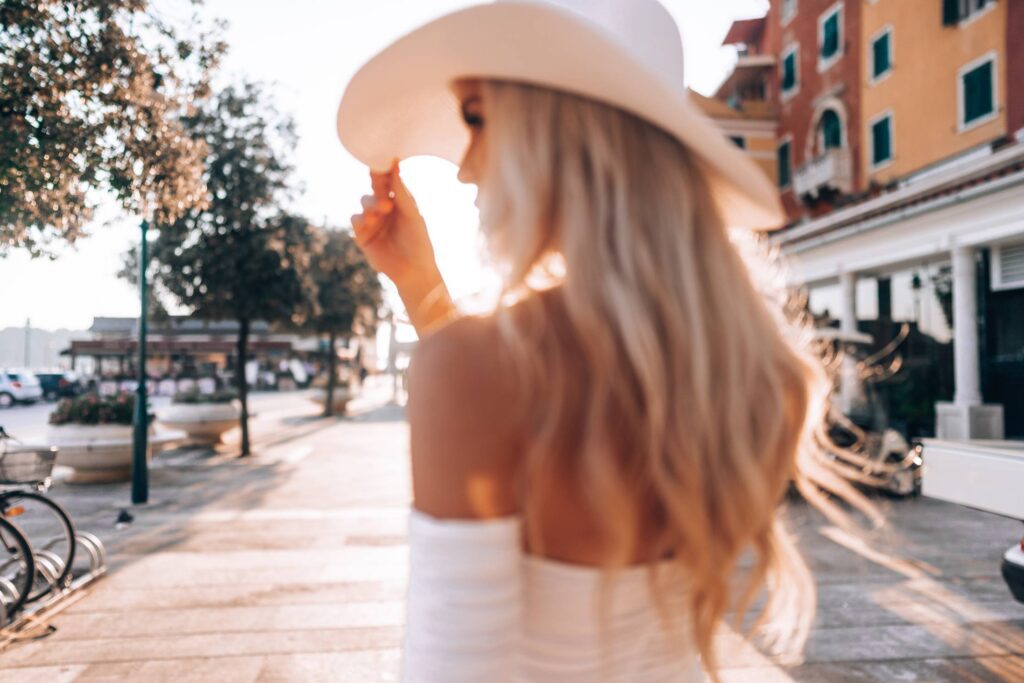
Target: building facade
<point>752,129</point>
<point>819,133</point>
<point>178,347</point>
<point>900,160</point>
<point>745,104</point>
<point>923,107</point>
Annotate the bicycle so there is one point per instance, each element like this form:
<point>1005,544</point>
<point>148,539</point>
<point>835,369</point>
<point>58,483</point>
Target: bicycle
<point>25,476</point>
<point>17,570</point>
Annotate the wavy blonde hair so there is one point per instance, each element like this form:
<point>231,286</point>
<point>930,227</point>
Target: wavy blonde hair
<point>703,397</point>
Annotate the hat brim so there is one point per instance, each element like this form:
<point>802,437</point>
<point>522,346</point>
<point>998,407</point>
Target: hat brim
<point>400,103</point>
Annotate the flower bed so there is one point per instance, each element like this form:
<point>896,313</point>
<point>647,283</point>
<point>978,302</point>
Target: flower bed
<point>204,417</point>
<point>93,435</point>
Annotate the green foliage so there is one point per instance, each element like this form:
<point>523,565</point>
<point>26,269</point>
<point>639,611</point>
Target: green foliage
<point>197,397</point>
<point>238,257</point>
<point>347,287</point>
<point>91,98</point>
<point>92,409</point>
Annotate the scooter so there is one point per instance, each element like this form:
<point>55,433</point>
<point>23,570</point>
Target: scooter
<point>872,454</point>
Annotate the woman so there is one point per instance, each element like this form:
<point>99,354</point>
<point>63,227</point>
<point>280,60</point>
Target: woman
<point>592,459</point>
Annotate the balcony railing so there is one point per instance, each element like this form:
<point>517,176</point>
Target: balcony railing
<point>830,171</point>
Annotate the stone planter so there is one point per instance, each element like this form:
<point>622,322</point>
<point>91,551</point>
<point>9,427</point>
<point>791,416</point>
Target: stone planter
<point>98,454</point>
<point>342,395</point>
<point>205,423</point>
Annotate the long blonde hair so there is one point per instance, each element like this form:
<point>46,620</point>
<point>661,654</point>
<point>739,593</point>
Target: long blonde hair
<point>704,397</point>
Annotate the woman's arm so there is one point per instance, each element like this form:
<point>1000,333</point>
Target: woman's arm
<point>464,599</point>
<point>393,236</point>
<point>427,300</point>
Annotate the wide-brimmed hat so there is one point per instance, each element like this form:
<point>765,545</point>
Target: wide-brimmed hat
<point>627,53</point>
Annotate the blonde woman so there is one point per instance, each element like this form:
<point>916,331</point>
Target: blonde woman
<point>592,460</point>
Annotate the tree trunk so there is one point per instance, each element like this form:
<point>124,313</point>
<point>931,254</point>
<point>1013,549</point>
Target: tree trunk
<point>332,373</point>
<point>243,385</point>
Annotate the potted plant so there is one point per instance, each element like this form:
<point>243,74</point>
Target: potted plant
<point>93,435</point>
<point>342,393</point>
<point>204,417</point>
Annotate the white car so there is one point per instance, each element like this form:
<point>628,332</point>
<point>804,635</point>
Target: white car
<point>18,386</point>
<point>1013,570</point>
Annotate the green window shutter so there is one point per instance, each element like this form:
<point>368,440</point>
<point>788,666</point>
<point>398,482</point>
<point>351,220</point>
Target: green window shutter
<point>830,36</point>
<point>950,12</point>
<point>880,52</point>
<point>738,141</point>
<point>881,140</point>
<point>789,71</point>
<point>977,89</point>
<point>831,129</point>
<point>784,165</point>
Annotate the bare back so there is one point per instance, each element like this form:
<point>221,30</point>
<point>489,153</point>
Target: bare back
<point>567,530</point>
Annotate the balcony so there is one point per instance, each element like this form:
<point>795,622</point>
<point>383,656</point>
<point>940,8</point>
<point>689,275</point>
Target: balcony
<point>826,174</point>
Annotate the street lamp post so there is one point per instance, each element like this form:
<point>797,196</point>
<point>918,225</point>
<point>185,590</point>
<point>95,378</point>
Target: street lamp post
<point>140,445</point>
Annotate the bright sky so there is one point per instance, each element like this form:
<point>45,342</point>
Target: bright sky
<point>308,49</point>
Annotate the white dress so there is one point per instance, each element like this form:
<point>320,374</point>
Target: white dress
<point>481,610</point>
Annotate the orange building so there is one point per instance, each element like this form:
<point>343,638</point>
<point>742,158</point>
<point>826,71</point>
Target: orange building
<point>922,107</point>
<point>900,160</point>
<point>744,105</point>
<point>752,129</point>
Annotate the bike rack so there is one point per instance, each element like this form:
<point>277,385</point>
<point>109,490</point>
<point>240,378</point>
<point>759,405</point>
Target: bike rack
<point>51,566</point>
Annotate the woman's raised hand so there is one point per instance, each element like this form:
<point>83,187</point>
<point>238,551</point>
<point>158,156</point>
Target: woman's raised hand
<point>393,236</point>
<point>392,233</point>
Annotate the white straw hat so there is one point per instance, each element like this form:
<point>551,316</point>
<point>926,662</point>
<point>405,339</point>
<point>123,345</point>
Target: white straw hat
<point>627,53</point>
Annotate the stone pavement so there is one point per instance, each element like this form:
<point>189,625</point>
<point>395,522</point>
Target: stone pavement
<point>290,566</point>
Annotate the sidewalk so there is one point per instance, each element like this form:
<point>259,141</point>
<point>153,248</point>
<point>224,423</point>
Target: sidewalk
<point>286,566</point>
<point>290,566</point>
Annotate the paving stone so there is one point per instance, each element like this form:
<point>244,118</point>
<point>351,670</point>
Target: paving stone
<point>46,674</point>
<point>223,619</point>
<point>199,670</point>
<point>998,669</point>
<point>55,651</point>
<point>291,566</point>
<point>107,598</point>
<point>352,667</point>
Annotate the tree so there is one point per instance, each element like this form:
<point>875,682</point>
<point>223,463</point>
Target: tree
<point>348,292</point>
<point>91,98</point>
<point>240,257</point>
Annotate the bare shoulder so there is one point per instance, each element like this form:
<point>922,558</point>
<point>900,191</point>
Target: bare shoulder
<point>462,438</point>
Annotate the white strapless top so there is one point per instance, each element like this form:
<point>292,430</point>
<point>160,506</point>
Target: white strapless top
<point>481,610</point>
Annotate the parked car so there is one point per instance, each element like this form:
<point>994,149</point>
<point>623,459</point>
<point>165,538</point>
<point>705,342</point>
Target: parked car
<point>986,476</point>
<point>58,385</point>
<point>1013,570</point>
<point>18,386</point>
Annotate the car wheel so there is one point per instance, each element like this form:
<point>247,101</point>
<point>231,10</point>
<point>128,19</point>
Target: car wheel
<point>6,400</point>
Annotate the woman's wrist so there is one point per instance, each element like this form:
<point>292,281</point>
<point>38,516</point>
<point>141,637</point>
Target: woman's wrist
<point>426,299</point>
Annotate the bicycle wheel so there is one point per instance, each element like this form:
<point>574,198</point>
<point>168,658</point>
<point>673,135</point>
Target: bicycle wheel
<point>51,534</point>
<point>17,567</point>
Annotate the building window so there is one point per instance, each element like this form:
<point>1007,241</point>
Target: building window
<point>977,92</point>
<point>785,165</point>
<point>956,11</point>
<point>788,10</point>
<point>830,37</point>
<point>881,54</point>
<point>881,140</point>
<point>831,130</point>
<point>739,141</point>
<point>790,77</point>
